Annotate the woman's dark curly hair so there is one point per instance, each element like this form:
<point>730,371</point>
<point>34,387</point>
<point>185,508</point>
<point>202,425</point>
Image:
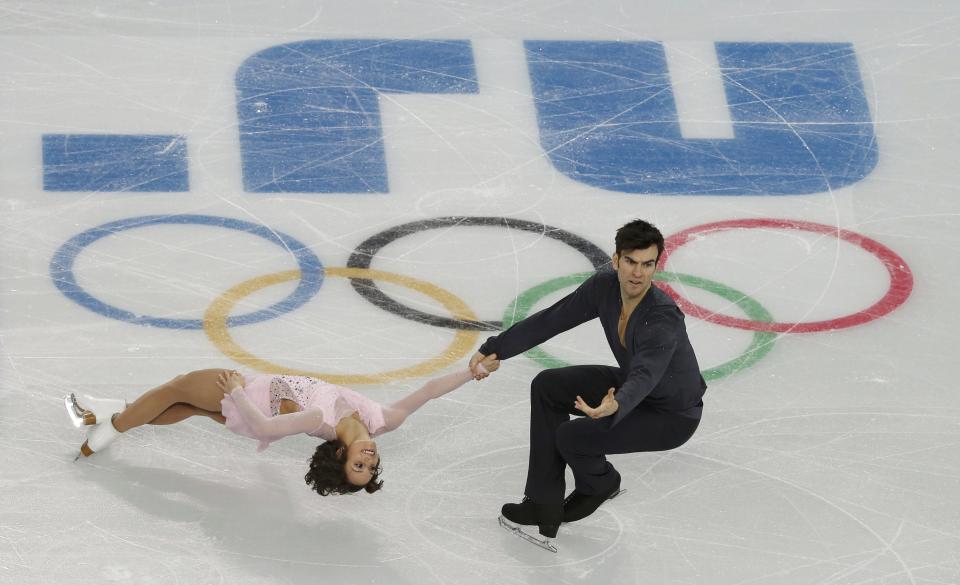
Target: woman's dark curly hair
<point>327,476</point>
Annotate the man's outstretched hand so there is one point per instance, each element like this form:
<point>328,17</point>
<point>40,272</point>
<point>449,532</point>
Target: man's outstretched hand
<point>482,366</point>
<point>607,406</point>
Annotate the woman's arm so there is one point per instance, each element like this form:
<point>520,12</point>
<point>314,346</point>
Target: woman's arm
<point>275,427</point>
<point>396,413</point>
<point>268,428</point>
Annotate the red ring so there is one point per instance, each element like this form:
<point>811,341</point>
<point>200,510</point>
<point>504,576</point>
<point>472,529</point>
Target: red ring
<point>901,278</point>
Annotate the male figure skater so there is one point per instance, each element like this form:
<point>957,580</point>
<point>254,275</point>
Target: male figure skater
<point>651,402</point>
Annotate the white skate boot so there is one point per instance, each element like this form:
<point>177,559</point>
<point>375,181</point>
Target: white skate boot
<point>90,411</point>
<point>98,437</point>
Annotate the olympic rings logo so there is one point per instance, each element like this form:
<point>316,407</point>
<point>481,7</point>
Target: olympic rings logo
<point>218,318</point>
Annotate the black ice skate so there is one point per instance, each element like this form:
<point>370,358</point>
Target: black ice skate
<point>579,505</point>
<point>547,518</point>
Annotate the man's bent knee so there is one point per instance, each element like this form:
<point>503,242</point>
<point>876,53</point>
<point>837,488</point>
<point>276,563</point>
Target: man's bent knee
<point>543,383</point>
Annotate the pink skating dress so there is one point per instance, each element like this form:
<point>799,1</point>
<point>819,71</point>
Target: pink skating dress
<point>253,410</point>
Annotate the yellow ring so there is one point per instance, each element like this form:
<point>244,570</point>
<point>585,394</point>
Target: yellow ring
<point>215,326</point>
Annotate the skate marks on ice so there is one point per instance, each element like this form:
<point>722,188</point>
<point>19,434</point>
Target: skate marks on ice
<point>809,492</point>
<point>146,524</point>
<point>455,509</point>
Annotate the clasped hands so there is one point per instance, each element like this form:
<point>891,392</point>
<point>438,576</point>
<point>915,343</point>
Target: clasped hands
<point>482,366</point>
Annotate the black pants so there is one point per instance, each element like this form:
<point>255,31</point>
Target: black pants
<point>582,443</point>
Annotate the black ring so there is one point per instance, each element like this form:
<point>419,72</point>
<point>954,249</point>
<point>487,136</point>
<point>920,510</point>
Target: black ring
<point>363,255</point>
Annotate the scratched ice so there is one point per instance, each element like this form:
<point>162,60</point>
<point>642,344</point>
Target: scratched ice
<point>802,156</point>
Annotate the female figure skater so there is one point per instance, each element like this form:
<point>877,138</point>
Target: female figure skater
<point>268,407</point>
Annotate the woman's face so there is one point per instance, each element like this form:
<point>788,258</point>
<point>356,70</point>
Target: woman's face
<point>362,459</point>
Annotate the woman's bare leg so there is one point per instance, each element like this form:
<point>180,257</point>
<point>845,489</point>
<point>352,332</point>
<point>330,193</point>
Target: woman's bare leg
<point>197,389</point>
<point>182,411</point>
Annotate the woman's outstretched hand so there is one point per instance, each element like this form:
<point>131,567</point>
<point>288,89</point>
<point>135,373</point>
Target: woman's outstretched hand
<point>608,406</point>
<point>230,380</point>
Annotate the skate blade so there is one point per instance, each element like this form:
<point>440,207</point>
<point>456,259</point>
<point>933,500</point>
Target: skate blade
<point>617,493</point>
<point>79,415</point>
<point>541,541</point>
<point>73,410</point>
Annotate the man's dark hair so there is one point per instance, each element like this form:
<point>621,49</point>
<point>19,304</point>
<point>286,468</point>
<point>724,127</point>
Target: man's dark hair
<point>639,235</point>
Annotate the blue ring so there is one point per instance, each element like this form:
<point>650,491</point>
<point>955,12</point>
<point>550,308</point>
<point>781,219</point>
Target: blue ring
<point>61,269</point>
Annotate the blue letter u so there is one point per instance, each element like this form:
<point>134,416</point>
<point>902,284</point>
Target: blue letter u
<point>608,118</point>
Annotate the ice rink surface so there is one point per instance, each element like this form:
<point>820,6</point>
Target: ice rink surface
<point>473,158</point>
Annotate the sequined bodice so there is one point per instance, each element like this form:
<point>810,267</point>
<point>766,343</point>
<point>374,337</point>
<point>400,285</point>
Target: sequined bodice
<point>293,388</point>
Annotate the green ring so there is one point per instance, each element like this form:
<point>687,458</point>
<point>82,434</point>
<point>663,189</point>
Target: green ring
<point>760,346</point>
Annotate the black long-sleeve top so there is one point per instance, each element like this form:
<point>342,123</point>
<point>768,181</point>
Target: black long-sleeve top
<point>657,367</point>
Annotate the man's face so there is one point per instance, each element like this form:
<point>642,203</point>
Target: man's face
<point>635,269</point>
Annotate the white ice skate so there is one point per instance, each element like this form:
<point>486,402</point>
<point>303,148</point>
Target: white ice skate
<point>544,542</point>
<point>98,437</point>
<point>90,411</point>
